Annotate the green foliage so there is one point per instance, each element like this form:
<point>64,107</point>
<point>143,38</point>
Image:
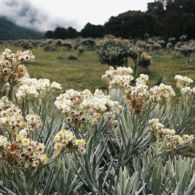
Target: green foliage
<point>91,30</point>
<point>130,24</point>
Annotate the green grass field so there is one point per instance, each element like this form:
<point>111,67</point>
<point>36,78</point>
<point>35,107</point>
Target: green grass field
<point>86,72</point>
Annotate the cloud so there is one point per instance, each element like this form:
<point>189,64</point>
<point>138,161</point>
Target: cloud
<point>23,13</point>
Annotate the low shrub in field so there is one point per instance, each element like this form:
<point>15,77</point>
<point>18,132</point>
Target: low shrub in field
<point>123,141</point>
<point>144,60</point>
<point>186,50</point>
<point>113,51</point>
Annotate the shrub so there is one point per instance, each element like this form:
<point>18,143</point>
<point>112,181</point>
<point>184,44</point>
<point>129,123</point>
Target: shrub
<point>145,60</point>
<point>113,51</point>
<point>186,51</point>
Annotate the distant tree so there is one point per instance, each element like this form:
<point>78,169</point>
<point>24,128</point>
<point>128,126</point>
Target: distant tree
<point>91,30</point>
<point>173,18</point>
<point>60,33</point>
<point>185,6</point>
<point>72,33</point>
<point>156,8</point>
<point>49,34</point>
<point>131,23</point>
<point>180,18</point>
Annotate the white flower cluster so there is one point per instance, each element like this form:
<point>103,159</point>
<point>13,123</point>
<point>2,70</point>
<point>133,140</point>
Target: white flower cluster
<point>137,96</point>
<point>140,95</point>
<point>161,93</point>
<point>79,107</point>
<point>31,87</point>
<point>168,136</point>
<point>65,139</point>
<point>33,122</point>
<point>172,141</point>
<point>11,119</point>
<point>188,91</point>
<point>143,79</point>
<point>23,153</point>
<point>19,151</point>
<point>183,81</point>
<point>11,64</point>
<point>155,125</point>
<point>118,78</point>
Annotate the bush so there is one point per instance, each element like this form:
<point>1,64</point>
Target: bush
<point>113,51</point>
<point>145,60</point>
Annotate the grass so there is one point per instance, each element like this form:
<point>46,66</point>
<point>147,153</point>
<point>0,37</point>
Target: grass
<point>78,74</point>
<point>86,72</point>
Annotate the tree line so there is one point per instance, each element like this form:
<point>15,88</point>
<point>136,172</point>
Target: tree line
<point>167,18</point>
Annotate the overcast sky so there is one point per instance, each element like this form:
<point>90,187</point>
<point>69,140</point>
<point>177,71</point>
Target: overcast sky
<point>47,14</point>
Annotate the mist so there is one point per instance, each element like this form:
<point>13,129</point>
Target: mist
<point>25,14</point>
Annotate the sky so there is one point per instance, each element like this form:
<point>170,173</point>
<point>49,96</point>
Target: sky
<point>48,14</point>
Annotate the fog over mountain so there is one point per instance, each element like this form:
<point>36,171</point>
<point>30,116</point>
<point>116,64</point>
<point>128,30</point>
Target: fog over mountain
<point>25,14</point>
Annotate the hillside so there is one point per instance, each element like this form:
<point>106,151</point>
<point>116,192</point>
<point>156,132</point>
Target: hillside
<point>9,30</point>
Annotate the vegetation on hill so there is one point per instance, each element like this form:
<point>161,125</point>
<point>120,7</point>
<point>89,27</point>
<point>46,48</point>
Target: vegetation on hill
<point>11,31</point>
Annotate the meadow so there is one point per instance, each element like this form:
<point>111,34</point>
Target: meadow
<point>86,72</point>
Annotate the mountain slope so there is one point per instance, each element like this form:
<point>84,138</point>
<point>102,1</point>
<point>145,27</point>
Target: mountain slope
<point>11,31</point>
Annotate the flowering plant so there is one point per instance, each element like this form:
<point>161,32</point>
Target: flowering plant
<point>124,141</point>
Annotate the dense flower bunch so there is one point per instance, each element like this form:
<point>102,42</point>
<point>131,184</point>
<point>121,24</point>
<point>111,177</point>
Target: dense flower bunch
<point>11,119</point>
<point>118,78</point>
<point>12,64</point>
<point>33,122</point>
<point>183,83</point>
<point>83,106</point>
<point>140,95</point>
<point>23,153</point>
<point>161,93</point>
<point>65,139</point>
<point>168,137</point>
<point>20,151</point>
<point>113,51</point>
<point>31,87</point>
